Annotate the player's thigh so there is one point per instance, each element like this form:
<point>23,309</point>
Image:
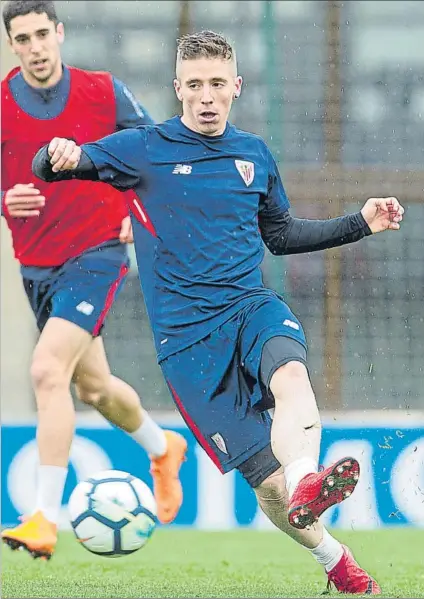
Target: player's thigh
<point>92,372</point>
<point>271,337</point>
<point>213,397</point>
<point>39,294</point>
<point>278,352</point>
<point>86,291</point>
<point>262,471</point>
<point>60,346</point>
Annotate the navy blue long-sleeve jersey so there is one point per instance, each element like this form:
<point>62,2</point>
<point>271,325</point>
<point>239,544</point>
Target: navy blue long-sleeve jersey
<point>203,195</point>
<point>210,201</point>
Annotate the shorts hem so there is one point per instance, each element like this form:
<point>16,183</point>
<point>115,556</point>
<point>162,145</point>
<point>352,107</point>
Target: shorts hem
<point>275,466</point>
<point>280,363</point>
<point>89,328</point>
<point>234,463</point>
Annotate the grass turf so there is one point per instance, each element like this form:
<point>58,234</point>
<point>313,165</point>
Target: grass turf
<point>189,563</point>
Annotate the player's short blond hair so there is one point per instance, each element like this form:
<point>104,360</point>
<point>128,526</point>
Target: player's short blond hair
<point>204,44</point>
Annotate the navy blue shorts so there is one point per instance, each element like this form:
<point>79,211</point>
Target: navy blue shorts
<point>81,291</point>
<point>217,387</point>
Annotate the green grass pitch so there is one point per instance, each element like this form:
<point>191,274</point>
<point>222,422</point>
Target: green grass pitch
<point>189,563</point>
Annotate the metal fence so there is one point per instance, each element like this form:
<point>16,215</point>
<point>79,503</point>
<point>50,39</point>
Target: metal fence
<point>337,90</point>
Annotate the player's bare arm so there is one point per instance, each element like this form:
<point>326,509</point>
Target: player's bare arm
<point>24,201</point>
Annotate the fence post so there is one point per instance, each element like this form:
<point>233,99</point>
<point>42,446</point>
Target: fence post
<point>184,21</point>
<point>333,323</point>
<point>274,265</point>
<point>184,27</point>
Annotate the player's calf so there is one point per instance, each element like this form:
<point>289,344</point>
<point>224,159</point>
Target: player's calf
<point>91,397</point>
<point>273,499</point>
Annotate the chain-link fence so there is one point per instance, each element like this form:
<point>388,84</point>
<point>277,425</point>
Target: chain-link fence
<point>337,90</point>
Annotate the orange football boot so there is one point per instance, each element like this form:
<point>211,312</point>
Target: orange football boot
<point>36,534</point>
<point>165,470</point>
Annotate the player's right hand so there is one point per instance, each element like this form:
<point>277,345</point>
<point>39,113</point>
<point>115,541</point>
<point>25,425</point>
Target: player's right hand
<point>24,201</point>
<point>64,154</point>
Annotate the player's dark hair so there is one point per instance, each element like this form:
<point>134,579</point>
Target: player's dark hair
<point>205,44</point>
<point>19,8</point>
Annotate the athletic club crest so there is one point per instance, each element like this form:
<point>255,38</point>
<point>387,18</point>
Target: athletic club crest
<point>219,442</point>
<point>246,170</point>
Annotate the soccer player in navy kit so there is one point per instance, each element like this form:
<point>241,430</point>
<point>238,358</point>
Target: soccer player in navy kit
<point>230,348</point>
<point>70,240</point>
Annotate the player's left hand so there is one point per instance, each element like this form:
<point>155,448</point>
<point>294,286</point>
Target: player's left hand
<point>126,234</point>
<point>383,214</point>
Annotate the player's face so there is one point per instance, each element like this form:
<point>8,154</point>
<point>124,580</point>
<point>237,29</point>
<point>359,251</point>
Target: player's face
<point>36,42</point>
<point>207,87</point>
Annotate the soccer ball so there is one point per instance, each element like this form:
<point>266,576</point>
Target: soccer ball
<point>112,513</point>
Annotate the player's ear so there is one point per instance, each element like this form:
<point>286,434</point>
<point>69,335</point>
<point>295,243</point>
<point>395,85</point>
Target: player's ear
<point>238,83</point>
<point>60,32</point>
<point>9,41</point>
<point>177,87</point>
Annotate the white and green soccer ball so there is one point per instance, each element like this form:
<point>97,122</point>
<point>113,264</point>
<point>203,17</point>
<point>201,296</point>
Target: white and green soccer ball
<point>112,513</point>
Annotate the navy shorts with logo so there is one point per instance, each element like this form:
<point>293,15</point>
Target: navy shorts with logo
<point>216,383</point>
<point>81,291</point>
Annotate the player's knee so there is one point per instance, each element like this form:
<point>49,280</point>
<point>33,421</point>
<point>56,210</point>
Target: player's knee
<point>292,374</point>
<point>47,373</point>
<point>292,370</point>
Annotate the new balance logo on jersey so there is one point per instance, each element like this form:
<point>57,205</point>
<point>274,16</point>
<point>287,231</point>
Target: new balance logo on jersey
<point>85,308</point>
<point>291,324</point>
<point>246,170</point>
<point>182,169</point>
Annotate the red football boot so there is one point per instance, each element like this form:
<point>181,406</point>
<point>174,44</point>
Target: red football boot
<point>318,491</point>
<point>348,577</point>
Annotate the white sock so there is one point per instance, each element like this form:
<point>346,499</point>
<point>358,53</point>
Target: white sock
<point>295,471</point>
<point>150,436</point>
<point>329,552</point>
<point>50,486</point>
